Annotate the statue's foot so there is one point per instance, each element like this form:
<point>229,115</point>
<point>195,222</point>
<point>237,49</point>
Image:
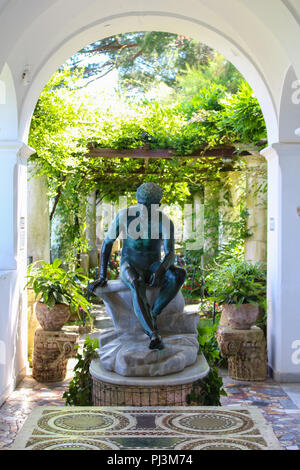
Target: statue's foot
<point>156,342</point>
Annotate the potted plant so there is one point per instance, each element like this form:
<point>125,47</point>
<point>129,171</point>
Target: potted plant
<point>60,293</point>
<point>241,288</point>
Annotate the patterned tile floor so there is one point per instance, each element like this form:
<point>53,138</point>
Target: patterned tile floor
<point>146,428</point>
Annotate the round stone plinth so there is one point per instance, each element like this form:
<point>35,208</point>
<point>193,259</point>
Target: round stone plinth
<point>111,389</point>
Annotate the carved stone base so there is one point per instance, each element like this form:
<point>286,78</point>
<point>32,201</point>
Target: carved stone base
<point>246,352</point>
<point>52,349</point>
<point>110,389</point>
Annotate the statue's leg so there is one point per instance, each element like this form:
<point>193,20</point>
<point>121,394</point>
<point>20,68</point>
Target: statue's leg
<point>140,304</point>
<point>171,284</point>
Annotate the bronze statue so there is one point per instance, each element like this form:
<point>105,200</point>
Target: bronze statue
<point>143,229</point>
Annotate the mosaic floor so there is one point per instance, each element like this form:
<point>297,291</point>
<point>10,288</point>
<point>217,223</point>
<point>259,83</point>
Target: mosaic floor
<point>164,428</point>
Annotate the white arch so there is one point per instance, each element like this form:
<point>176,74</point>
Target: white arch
<point>168,22</point>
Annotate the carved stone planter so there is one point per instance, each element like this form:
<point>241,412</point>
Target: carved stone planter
<point>52,349</point>
<point>54,319</point>
<point>241,317</point>
<point>246,352</point>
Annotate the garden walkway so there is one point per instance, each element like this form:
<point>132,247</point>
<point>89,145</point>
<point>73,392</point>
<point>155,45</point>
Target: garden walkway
<point>279,403</point>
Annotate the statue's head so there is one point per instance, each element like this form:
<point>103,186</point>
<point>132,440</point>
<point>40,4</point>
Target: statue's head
<point>149,193</point>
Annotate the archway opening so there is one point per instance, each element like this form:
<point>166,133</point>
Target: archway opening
<point>213,153</point>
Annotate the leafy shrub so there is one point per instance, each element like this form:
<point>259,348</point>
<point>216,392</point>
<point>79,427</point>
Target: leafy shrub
<point>208,344</point>
<point>242,119</point>
<point>80,388</point>
<point>57,286</point>
<point>211,389</point>
<point>238,282</point>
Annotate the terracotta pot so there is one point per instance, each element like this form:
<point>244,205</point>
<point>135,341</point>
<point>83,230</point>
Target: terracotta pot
<point>242,317</point>
<point>54,319</point>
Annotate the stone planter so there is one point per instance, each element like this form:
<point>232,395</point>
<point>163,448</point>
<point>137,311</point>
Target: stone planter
<point>54,319</point>
<point>52,350</point>
<point>240,318</point>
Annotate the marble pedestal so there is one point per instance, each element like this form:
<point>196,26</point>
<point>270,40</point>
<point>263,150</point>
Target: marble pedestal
<point>125,348</point>
<point>246,352</point>
<point>111,389</point>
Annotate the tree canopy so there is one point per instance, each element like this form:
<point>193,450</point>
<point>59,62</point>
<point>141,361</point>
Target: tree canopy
<point>142,58</point>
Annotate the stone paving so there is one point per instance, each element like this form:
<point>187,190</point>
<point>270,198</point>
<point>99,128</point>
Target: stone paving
<point>272,398</point>
<point>276,405</point>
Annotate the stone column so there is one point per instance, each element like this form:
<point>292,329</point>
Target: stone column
<point>229,210</point>
<point>38,234</point>
<point>91,225</point>
<point>211,218</point>
<point>192,231</point>
<point>284,261</point>
<point>256,203</point>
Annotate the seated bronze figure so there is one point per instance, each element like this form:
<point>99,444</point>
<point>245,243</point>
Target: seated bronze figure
<point>144,229</point>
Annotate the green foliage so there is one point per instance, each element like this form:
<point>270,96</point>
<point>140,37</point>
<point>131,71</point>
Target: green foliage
<point>208,391</point>
<point>208,99</point>
<point>80,387</point>
<point>57,286</point>
<point>208,344</point>
<point>195,78</point>
<point>238,282</point>
<point>191,262</point>
<point>242,119</point>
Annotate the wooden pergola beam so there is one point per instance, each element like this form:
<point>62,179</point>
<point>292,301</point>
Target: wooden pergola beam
<point>146,153</point>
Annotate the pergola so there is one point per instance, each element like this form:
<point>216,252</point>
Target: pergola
<point>259,38</point>
<point>227,153</point>
<point>222,156</point>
